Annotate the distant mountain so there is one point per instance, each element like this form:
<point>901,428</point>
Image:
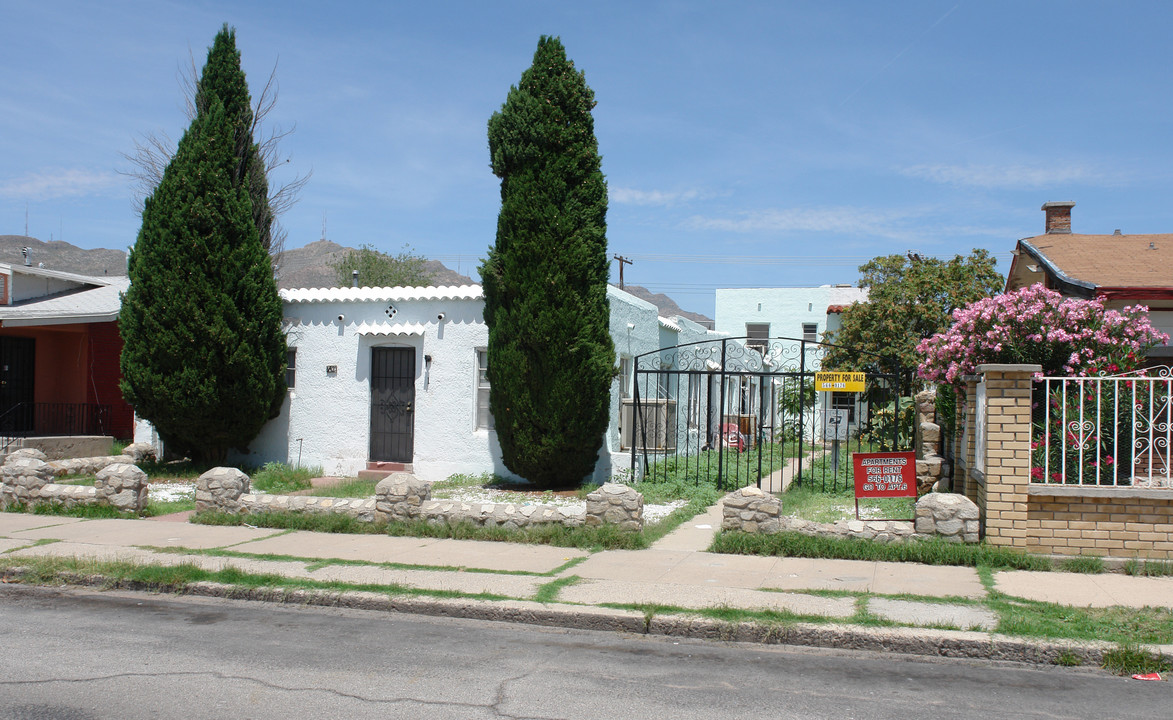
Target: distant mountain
<point>308,266</point>
<point>302,267</point>
<point>58,255</point>
<point>312,266</point>
<point>667,306</point>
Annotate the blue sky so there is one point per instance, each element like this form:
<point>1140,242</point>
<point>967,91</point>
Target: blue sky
<point>744,143</point>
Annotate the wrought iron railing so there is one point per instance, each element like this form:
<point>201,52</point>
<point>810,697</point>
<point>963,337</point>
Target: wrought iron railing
<point>25,419</point>
<point>1113,430</point>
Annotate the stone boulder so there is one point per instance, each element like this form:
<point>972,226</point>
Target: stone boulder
<point>139,453</point>
<point>220,489</point>
<point>21,480</point>
<point>27,452</point>
<point>123,486</point>
<point>949,515</point>
<point>615,504</point>
<point>751,510</point>
<point>400,495</point>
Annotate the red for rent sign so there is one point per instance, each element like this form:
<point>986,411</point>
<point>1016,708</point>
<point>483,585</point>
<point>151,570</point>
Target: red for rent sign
<point>885,474</point>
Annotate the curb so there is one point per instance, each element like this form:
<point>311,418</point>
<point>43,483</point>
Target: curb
<point>904,640</point>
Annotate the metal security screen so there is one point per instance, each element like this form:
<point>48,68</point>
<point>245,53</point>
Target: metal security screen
<point>392,404</point>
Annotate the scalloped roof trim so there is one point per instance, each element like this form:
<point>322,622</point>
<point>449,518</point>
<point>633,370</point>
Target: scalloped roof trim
<point>389,329</point>
<point>668,324</point>
<point>386,294</point>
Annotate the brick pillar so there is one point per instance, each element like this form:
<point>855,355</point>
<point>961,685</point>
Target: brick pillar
<point>1007,451</point>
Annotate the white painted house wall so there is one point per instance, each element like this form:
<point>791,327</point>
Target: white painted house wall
<point>784,308</point>
<point>326,419</point>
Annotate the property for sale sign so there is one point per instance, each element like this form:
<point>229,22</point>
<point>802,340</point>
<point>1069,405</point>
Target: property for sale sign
<point>885,474</point>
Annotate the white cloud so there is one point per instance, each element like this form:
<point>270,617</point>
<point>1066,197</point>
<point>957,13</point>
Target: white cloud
<point>631,196</point>
<point>1003,176</point>
<point>854,220</point>
<point>59,183</point>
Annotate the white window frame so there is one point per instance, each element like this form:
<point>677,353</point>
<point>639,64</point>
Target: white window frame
<point>482,413</point>
<point>758,336</point>
<point>290,367</point>
<point>812,335</point>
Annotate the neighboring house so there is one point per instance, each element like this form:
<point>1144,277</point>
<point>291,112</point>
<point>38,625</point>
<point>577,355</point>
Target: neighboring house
<point>791,312</point>
<point>1120,269</point>
<point>59,354</point>
<point>394,378</point>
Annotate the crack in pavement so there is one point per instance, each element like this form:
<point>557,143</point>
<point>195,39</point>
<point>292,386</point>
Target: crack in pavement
<point>499,698</point>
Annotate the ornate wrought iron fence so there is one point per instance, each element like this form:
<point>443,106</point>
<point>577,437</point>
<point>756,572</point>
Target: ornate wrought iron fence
<point>733,411</point>
<point>1112,430</point>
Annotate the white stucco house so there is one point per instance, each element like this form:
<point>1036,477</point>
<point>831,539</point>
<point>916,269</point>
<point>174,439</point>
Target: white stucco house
<point>394,378</point>
<point>792,312</point>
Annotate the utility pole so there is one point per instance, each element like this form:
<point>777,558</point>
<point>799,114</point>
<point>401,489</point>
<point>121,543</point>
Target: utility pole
<point>622,261</point>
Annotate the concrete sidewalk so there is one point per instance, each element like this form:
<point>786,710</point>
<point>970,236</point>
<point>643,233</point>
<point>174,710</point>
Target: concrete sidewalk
<point>675,573</point>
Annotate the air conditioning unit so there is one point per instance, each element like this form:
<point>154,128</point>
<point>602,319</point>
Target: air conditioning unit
<point>658,424</point>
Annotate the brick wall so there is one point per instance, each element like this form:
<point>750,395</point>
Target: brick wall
<point>1050,519</point>
<point>1118,526</point>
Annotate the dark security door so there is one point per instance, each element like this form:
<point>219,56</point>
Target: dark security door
<point>392,404</point>
<point>17,367</point>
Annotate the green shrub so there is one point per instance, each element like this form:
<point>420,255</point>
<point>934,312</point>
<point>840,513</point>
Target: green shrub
<point>279,478</point>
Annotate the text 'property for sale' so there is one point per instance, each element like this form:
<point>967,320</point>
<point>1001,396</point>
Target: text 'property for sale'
<point>885,474</point>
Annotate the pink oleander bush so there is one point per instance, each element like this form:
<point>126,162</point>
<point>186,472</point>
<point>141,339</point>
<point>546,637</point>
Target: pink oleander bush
<point>1038,326</point>
<point>1076,434</point>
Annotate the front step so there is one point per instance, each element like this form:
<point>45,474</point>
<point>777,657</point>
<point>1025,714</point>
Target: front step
<point>380,470</point>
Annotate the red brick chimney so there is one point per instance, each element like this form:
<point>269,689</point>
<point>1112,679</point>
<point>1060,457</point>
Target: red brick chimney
<point>1058,217</point>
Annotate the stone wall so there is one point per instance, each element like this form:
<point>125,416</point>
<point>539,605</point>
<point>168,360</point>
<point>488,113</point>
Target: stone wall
<point>929,462</point>
<point>402,496</point>
<point>953,517</point>
<point>26,479</point>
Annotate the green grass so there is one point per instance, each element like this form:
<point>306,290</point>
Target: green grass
<point>604,537</point>
<point>735,469</point>
<point>174,578</point>
<point>1089,565</point>
<point>176,471</point>
<point>87,480</point>
<point>1032,618</point>
<point>548,593</point>
<point>349,488</point>
<point>928,552</point>
<point>279,478</point>
<point>811,502</point>
<point>1148,568</point>
<point>1128,659</point>
<point>156,508</point>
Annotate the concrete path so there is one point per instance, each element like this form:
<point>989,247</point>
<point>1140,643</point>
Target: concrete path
<point>675,572</point>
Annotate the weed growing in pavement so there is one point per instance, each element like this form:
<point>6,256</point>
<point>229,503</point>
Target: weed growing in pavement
<point>1068,659</point>
<point>1129,659</point>
<point>548,593</point>
<point>1033,618</point>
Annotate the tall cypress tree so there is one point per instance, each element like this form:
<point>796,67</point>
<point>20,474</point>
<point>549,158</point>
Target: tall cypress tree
<point>545,280</point>
<point>222,78</point>
<point>204,355</point>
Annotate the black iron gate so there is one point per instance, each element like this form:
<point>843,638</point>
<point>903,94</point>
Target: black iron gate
<point>738,411</point>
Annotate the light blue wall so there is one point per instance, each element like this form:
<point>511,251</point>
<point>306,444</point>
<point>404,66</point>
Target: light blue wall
<point>784,308</point>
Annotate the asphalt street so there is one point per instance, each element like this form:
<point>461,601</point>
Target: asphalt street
<point>72,654</point>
